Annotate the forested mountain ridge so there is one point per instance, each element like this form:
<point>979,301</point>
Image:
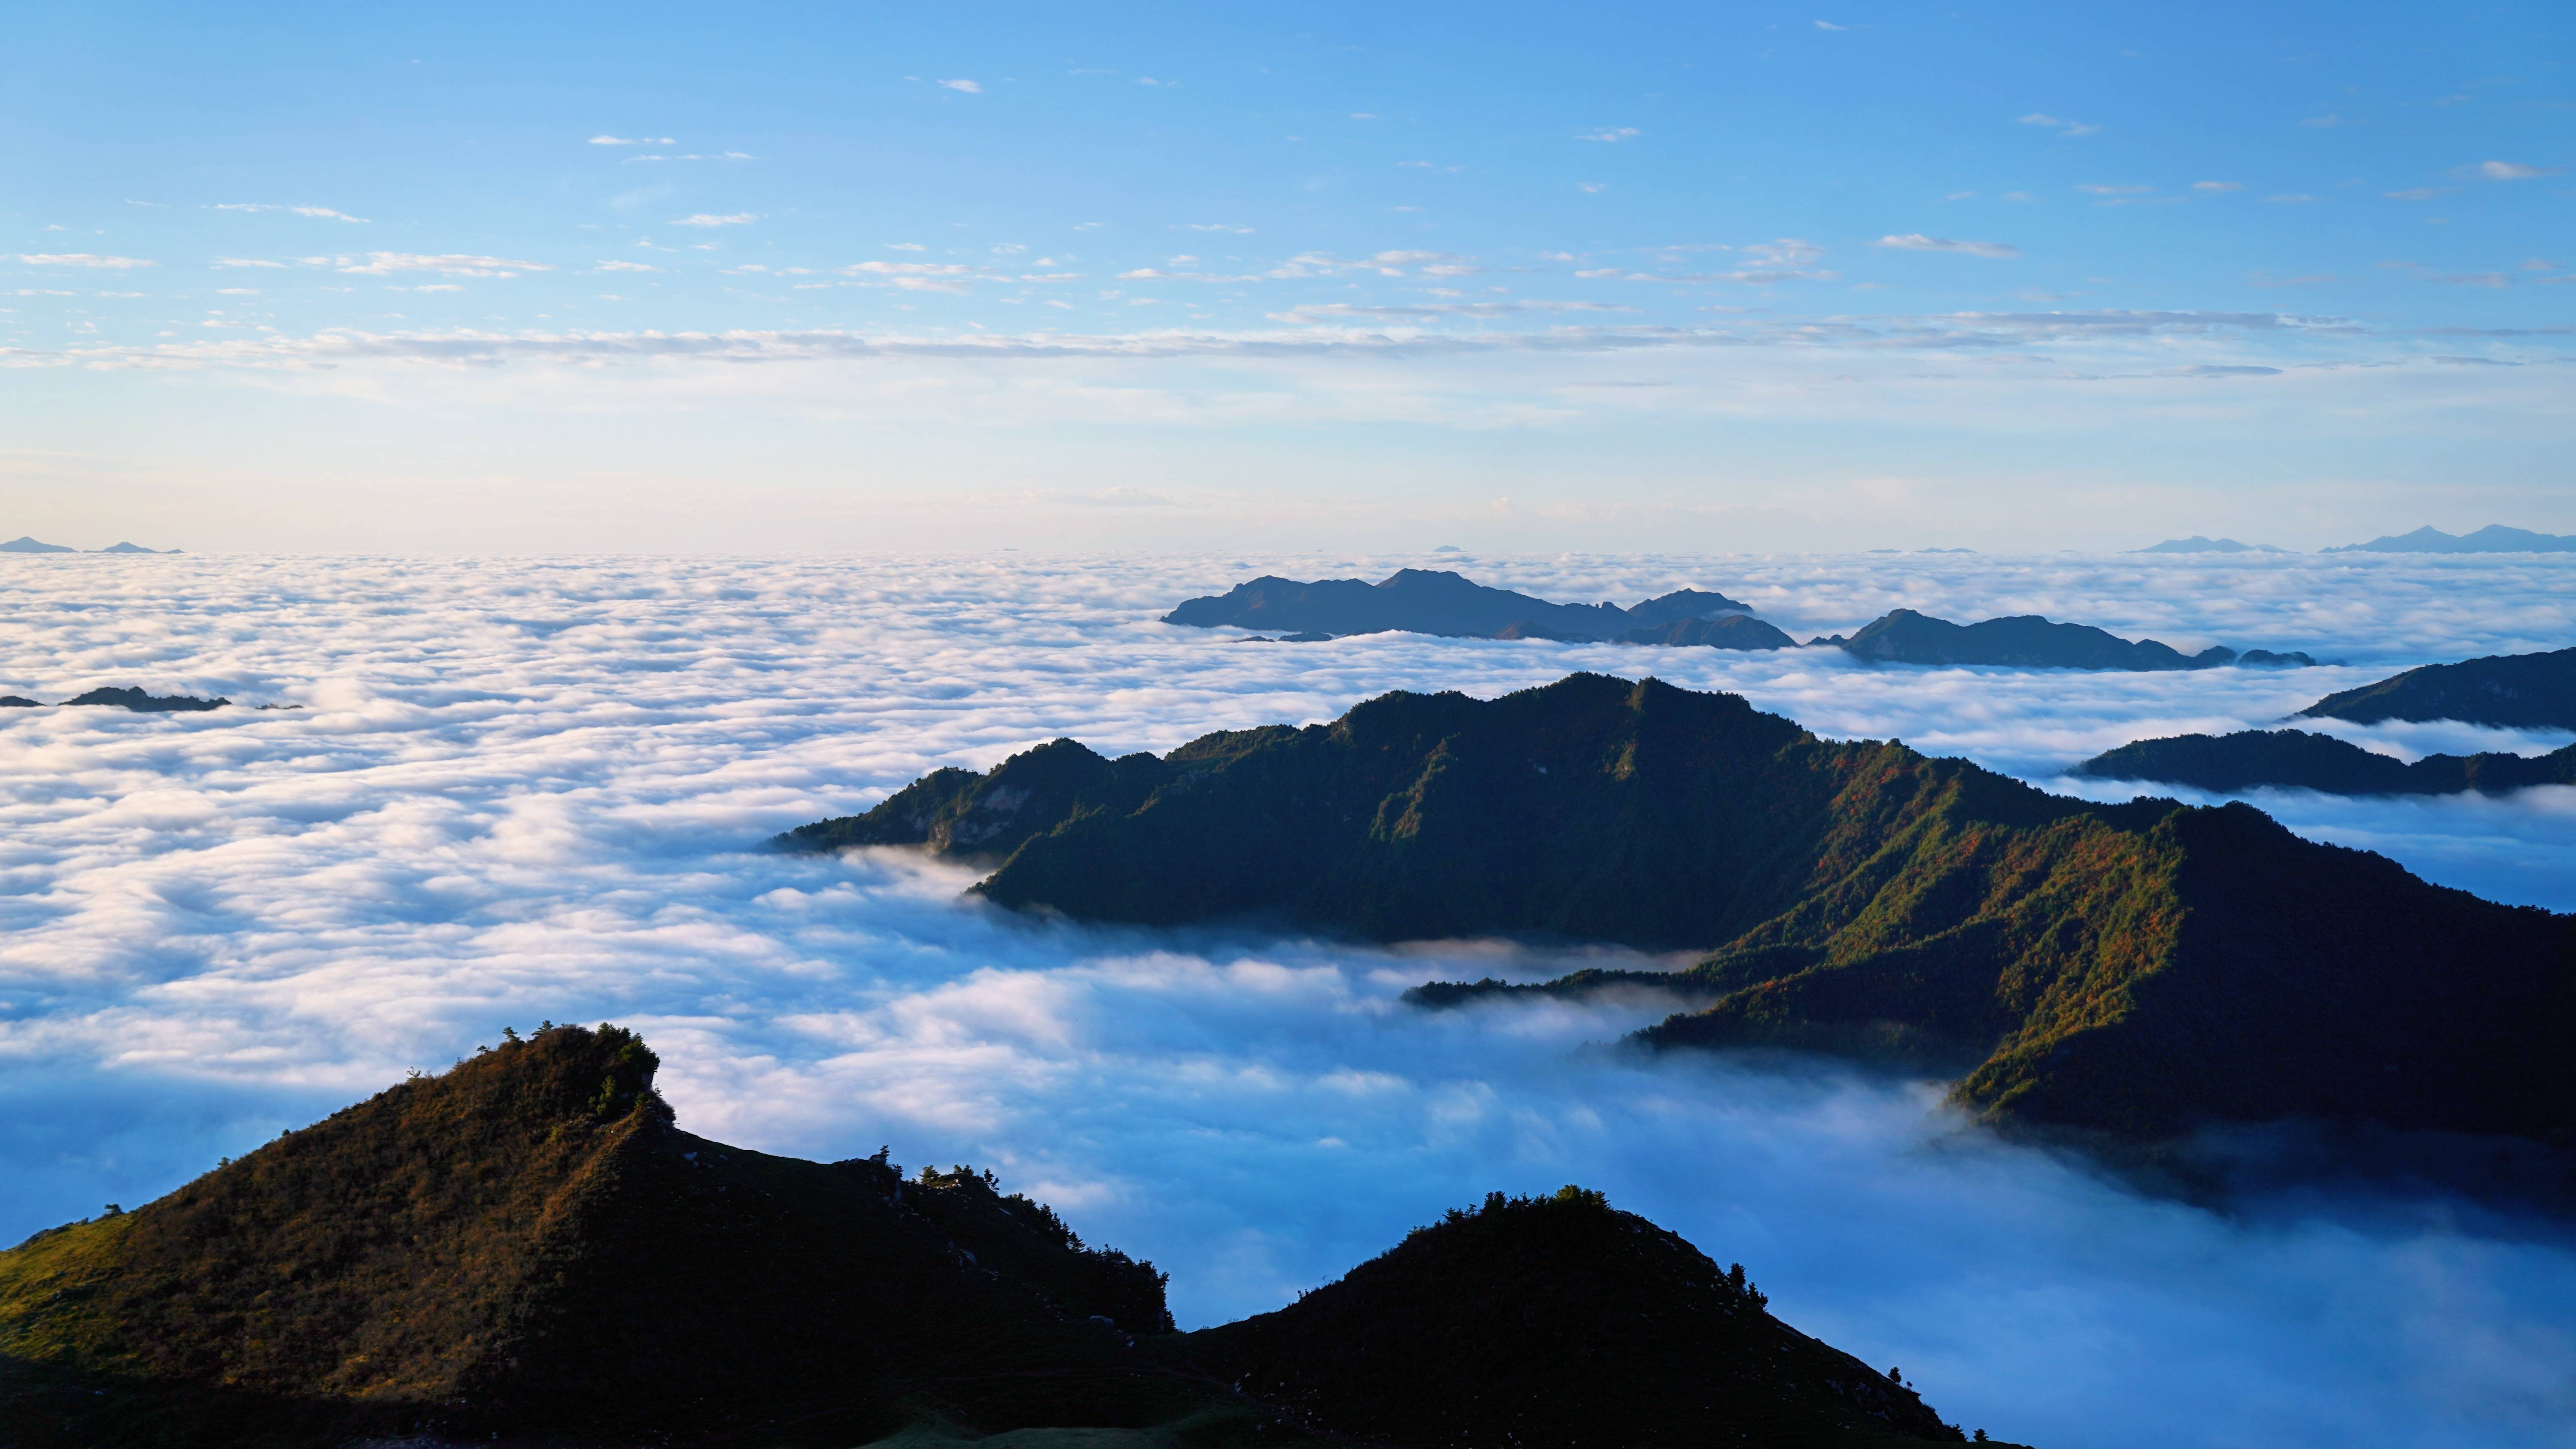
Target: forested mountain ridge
<point>528,1248</point>
<point>2137,969</point>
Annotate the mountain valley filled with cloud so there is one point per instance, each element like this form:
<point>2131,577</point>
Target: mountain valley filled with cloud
<point>539,789</point>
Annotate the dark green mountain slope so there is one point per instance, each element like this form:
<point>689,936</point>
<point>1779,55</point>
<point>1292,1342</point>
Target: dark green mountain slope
<point>1558,1321</point>
<point>2137,968</point>
<point>527,1248</point>
<point>2297,759</point>
<point>2509,691</point>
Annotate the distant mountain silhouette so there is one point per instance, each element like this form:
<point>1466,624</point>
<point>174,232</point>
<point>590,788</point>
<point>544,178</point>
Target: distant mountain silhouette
<point>1434,601</point>
<point>25,544</point>
<point>1556,1321</point>
<point>135,699</point>
<point>134,548</point>
<point>1727,631</point>
<point>2494,538</point>
<point>2198,544</point>
<point>2134,969</point>
<point>2508,691</point>
<point>2296,759</point>
<point>2028,641</point>
<point>528,1248</point>
<point>17,701</point>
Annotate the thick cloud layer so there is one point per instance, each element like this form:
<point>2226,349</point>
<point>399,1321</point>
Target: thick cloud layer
<point>533,789</point>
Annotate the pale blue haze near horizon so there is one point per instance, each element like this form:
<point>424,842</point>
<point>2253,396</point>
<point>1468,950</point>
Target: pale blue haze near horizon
<point>791,277</point>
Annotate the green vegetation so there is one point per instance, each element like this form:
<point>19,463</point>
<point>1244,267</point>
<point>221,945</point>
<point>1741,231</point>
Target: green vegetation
<point>528,1248</point>
<point>2135,969</point>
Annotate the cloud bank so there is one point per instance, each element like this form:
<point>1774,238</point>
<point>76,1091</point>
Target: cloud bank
<point>527,789</point>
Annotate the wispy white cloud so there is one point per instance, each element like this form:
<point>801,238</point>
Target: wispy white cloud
<point>739,218</point>
<point>1592,188</point>
<point>2329,121</point>
<point>1918,242</point>
<point>1617,133</point>
<point>2098,188</point>
<point>1829,25</point>
<point>378,264</point>
<point>2218,186</point>
<point>320,212</point>
<point>607,140</point>
<point>2514,171</point>
<point>918,276</point>
<point>1224,226</point>
<point>2419,193</point>
<point>83,259</point>
<point>2059,124</point>
<point>245,262</point>
<point>969,87</point>
<point>613,266</point>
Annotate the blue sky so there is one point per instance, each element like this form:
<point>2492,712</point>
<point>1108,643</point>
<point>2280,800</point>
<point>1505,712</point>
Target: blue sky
<point>1746,276</point>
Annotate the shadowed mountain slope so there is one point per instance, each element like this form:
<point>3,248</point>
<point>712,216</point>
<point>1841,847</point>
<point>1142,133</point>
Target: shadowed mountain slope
<point>2137,969</point>
<point>1434,601</point>
<point>528,1242</point>
<point>2297,759</point>
<point>2508,691</point>
<point>1558,1321</point>
<point>527,1247</point>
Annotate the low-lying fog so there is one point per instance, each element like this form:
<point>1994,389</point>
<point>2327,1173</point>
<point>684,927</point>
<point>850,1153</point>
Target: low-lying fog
<point>532,789</point>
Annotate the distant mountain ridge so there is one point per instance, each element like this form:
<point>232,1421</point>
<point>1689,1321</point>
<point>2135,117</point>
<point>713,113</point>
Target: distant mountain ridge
<point>2028,641</point>
<point>528,1247</point>
<point>27,544</point>
<point>2506,691</point>
<point>2300,760</point>
<point>2494,538</point>
<point>1439,602</point>
<point>2135,969</point>
<point>2198,543</point>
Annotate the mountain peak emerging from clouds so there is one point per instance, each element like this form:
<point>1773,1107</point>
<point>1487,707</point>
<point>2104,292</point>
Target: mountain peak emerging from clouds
<point>2132,969</point>
<point>2494,538</point>
<point>2198,543</point>
<point>1442,602</point>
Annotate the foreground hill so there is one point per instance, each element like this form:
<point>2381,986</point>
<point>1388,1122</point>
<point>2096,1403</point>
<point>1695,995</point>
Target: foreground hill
<point>1435,601</point>
<point>1557,1321</point>
<point>2509,691</point>
<point>2028,641</point>
<point>2297,759</point>
<point>2137,969</point>
<point>528,1246</point>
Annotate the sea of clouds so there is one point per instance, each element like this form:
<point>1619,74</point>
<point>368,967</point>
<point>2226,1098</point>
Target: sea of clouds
<point>522,789</point>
